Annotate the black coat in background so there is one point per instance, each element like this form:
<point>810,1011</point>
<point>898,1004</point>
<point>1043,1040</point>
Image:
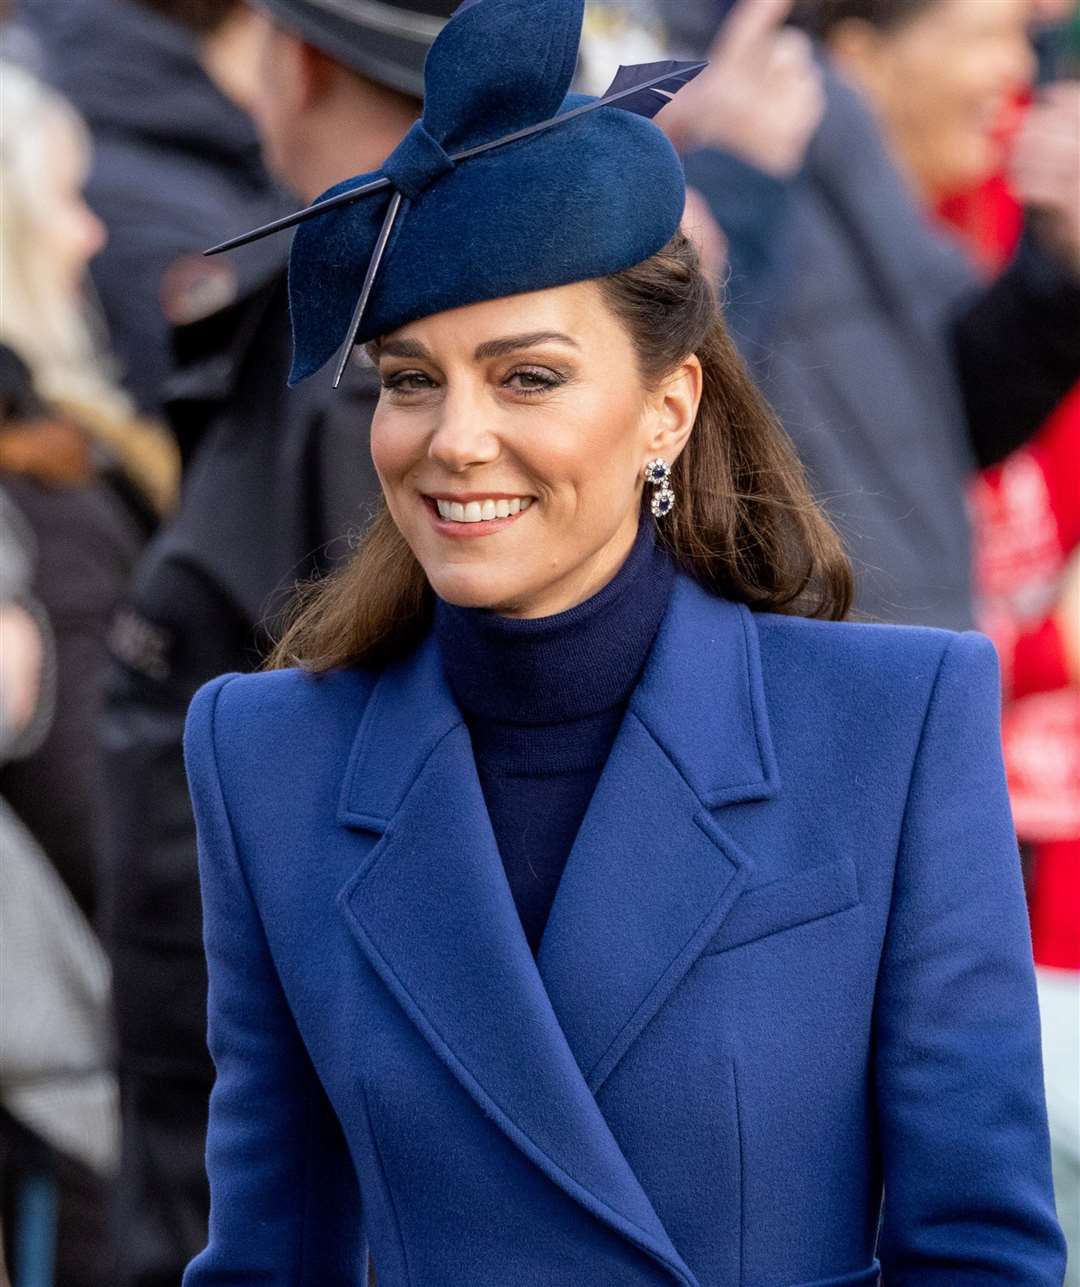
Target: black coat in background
<point>87,538</point>
<point>274,482</point>
<point>176,168</point>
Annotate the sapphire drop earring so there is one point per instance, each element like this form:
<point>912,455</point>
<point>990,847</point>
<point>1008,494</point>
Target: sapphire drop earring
<point>658,474</point>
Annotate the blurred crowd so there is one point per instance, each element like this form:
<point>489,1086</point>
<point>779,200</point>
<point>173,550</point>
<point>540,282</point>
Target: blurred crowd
<point>888,195</point>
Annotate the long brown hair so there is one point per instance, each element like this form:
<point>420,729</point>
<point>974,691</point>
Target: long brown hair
<point>745,524</point>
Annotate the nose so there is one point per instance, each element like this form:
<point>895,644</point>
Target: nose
<point>1022,64</point>
<point>95,234</point>
<point>462,436</point>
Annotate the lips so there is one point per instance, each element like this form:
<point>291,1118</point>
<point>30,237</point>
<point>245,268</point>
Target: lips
<point>482,510</point>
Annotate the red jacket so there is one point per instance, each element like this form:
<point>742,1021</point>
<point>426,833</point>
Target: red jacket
<point>1026,514</point>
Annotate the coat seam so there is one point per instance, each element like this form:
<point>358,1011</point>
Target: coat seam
<point>386,1185</point>
<point>901,833</point>
<point>303,1276</point>
<point>740,1137</point>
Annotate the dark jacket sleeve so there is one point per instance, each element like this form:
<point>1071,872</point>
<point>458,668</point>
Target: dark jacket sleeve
<point>753,211</point>
<point>284,1202</point>
<point>1018,350</point>
<point>958,1066</point>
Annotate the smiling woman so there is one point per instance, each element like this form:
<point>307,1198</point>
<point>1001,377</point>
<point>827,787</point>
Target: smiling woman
<point>579,909</point>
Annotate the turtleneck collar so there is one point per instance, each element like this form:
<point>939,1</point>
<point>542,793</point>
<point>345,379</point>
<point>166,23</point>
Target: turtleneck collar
<point>575,664</point>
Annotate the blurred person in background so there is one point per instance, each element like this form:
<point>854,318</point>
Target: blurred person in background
<point>164,88</point>
<point>89,477</point>
<point>274,481</point>
<point>956,134</point>
<point>83,482</point>
<point>894,370</point>
<point>766,104</point>
<point>58,1111</point>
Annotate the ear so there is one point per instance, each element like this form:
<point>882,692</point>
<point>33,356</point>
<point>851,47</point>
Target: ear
<point>673,410</point>
<point>284,69</point>
<point>319,74</point>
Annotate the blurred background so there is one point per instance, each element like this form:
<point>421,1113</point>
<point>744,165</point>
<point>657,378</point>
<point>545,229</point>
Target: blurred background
<point>887,194</point>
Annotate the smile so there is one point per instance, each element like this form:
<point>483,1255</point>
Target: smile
<point>480,511</point>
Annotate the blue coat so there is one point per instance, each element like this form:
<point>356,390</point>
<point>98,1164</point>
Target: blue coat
<point>788,964</point>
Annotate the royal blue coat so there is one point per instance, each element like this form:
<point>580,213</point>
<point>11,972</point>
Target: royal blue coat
<point>787,967</point>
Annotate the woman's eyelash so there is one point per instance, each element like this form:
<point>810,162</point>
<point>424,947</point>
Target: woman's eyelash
<point>543,380</point>
<point>536,381</point>
<point>399,380</point>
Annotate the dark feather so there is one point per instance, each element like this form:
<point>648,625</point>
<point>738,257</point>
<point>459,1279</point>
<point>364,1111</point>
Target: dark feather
<point>397,205</point>
<point>657,84</point>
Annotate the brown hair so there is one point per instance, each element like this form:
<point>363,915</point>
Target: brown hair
<point>745,525</point>
<point>820,17</point>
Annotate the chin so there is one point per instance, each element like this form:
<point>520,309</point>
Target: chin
<point>476,588</point>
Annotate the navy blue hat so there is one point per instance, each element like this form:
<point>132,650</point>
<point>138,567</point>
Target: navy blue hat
<point>507,184</point>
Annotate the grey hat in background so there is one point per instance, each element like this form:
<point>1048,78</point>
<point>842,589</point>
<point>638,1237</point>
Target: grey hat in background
<point>382,40</point>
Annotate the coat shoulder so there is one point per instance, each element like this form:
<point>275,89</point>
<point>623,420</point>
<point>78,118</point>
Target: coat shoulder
<point>251,719</point>
<point>868,666</point>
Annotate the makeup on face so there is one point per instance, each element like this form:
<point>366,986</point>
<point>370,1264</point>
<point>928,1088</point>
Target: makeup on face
<point>509,439</point>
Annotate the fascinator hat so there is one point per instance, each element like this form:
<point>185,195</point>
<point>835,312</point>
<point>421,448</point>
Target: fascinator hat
<point>507,184</point>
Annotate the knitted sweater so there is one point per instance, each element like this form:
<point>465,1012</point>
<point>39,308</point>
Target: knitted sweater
<point>543,699</point>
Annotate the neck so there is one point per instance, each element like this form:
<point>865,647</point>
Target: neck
<point>546,670</point>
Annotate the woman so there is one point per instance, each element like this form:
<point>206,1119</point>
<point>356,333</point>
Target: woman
<point>584,905</point>
<point>89,478</point>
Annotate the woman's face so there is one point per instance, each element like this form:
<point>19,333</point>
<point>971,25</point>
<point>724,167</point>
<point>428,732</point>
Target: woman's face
<point>510,439</point>
<point>67,228</point>
<point>943,83</point>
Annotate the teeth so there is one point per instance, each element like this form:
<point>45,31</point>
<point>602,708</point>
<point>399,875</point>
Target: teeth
<point>481,511</point>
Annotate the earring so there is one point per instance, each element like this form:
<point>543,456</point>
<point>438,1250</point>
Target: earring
<point>658,474</point>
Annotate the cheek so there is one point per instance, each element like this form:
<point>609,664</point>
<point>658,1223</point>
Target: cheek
<point>399,443</point>
<point>589,454</point>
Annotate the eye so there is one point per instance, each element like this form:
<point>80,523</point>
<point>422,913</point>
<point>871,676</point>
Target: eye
<point>403,383</point>
<point>533,381</point>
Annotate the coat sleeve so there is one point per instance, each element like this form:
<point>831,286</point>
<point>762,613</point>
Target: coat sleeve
<point>284,1203</point>
<point>958,1069</point>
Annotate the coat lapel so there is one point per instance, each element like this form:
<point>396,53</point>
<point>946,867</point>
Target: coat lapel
<point>432,910</point>
<point>652,875</point>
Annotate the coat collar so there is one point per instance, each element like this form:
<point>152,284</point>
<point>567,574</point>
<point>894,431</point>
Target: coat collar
<point>683,706</point>
<point>648,882</point>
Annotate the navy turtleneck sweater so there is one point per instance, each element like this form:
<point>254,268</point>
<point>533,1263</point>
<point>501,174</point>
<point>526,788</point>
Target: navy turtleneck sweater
<point>543,699</point>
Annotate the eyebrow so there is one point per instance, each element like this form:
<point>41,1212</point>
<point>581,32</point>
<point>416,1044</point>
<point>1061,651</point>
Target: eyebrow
<point>489,349</point>
<point>511,343</point>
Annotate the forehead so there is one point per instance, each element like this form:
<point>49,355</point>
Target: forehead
<point>577,311</point>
